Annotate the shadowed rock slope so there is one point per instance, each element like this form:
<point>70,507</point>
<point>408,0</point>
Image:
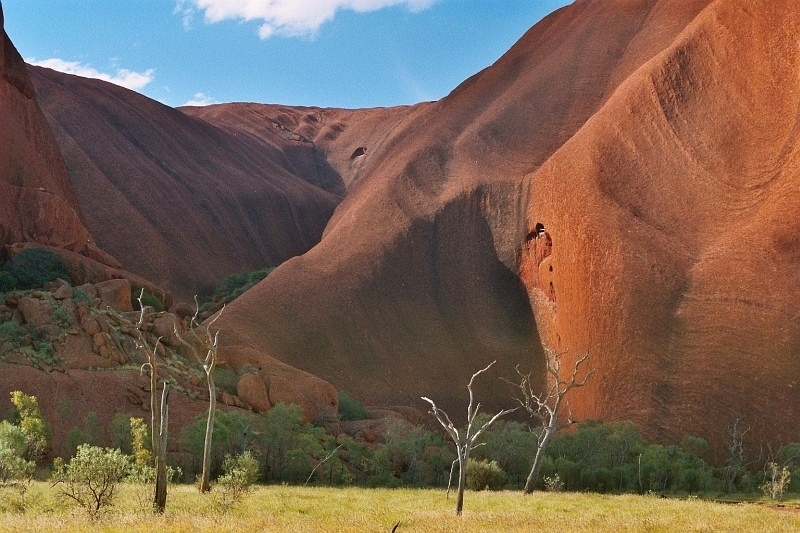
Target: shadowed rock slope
<point>623,180</point>
<point>176,199</point>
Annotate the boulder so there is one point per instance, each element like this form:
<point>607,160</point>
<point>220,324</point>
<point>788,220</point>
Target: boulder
<point>252,389</point>
<point>115,293</point>
<point>164,327</point>
<point>283,383</point>
<point>35,311</point>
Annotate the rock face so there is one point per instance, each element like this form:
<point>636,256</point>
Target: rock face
<point>37,203</point>
<point>175,199</point>
<point>624,180</point>
<point>673,215</point>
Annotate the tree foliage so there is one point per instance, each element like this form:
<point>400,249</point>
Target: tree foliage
<point>32,268</point>
<point>351,409</point>
<point>36,429</point>
<point>13,450</point>
<point>91,476</point>
<point>240,472</point>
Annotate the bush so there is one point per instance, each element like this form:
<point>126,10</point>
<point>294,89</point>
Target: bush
<point>81,296</point>
<point>148,300</point>
<point>91,476</point>
<point>235,285</point>
<point>13,449</point>
<point>7,282</point>
<point>11,331</point>
<point>241,471</point>
<point>482,475</point>
<point>36,429</point>
<point>776,481</point>
<point>62,317</point>
<point>33,267</point>
<point>351,409</point>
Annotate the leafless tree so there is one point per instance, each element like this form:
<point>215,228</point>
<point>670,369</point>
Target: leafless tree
<point>465,440</point>
<point>159,410</point>
<point>546,405</point>
<point>736,462</point>
<point>203,336</point>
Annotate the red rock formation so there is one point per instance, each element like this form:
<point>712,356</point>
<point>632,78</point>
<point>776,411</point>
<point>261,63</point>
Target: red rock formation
<point>673,216</point>
<point>623,180</point>
<point>176,199</point>
<point>655,141</point>
<point>37,203</point>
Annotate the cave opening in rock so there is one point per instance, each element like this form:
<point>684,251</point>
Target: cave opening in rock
<point>358,152</point>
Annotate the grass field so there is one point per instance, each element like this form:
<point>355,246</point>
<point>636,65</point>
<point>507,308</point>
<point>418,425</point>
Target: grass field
<point>298,509</point>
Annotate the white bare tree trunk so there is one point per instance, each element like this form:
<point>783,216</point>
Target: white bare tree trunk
<point>465,441</point>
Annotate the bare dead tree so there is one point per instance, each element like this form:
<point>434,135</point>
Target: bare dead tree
<point>210,343</point>
<point>736,463</point>
<point>546,405</point>
<point>159,410</point>
<point>465,441</point>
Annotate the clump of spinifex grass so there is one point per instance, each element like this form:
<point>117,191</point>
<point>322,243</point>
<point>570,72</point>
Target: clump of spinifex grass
<point>299,509</point>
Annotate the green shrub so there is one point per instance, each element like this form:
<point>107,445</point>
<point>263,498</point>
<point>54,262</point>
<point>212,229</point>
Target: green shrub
<point>226,379</point>
<point>235,285</point>
<point>62,317</point>
<point>91,476</point>
<point>13,449</point>
<point>37,430</point>
<point>148,300</point>
<point>240,472</point>
<point>81,296</point>
<point>33,267</point>
<point>483,475</point>
<point>11,331</point>
<point>351,409</point>
<point>7,281</point>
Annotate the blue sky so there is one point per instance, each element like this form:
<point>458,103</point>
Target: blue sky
<point>329,53</point>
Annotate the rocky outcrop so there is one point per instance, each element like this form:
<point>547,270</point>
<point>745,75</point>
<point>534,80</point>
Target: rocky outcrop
<point>71,337</point>
<point>266,382</point>
<point>622,181</point>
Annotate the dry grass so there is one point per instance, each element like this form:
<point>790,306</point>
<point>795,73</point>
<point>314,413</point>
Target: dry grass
<point>298,509</point>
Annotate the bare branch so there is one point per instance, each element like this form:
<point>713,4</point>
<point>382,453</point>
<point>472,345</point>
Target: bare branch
<point>321,463</point>
<point>546,405</point>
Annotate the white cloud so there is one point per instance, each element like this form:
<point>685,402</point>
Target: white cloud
<point>123,77</point>
<point>200,99</point>
<point>291,18</point>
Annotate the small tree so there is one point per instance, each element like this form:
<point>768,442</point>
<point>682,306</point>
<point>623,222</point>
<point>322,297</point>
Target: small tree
<point>776,480</point>
<point>240,472</point>
<point>546,406</point>
<point>159,410</point>
<point>91,476</point>
<point>13,449</point>
<point>465,441</point>
<point>210,342</point>
<point>34,426</point>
